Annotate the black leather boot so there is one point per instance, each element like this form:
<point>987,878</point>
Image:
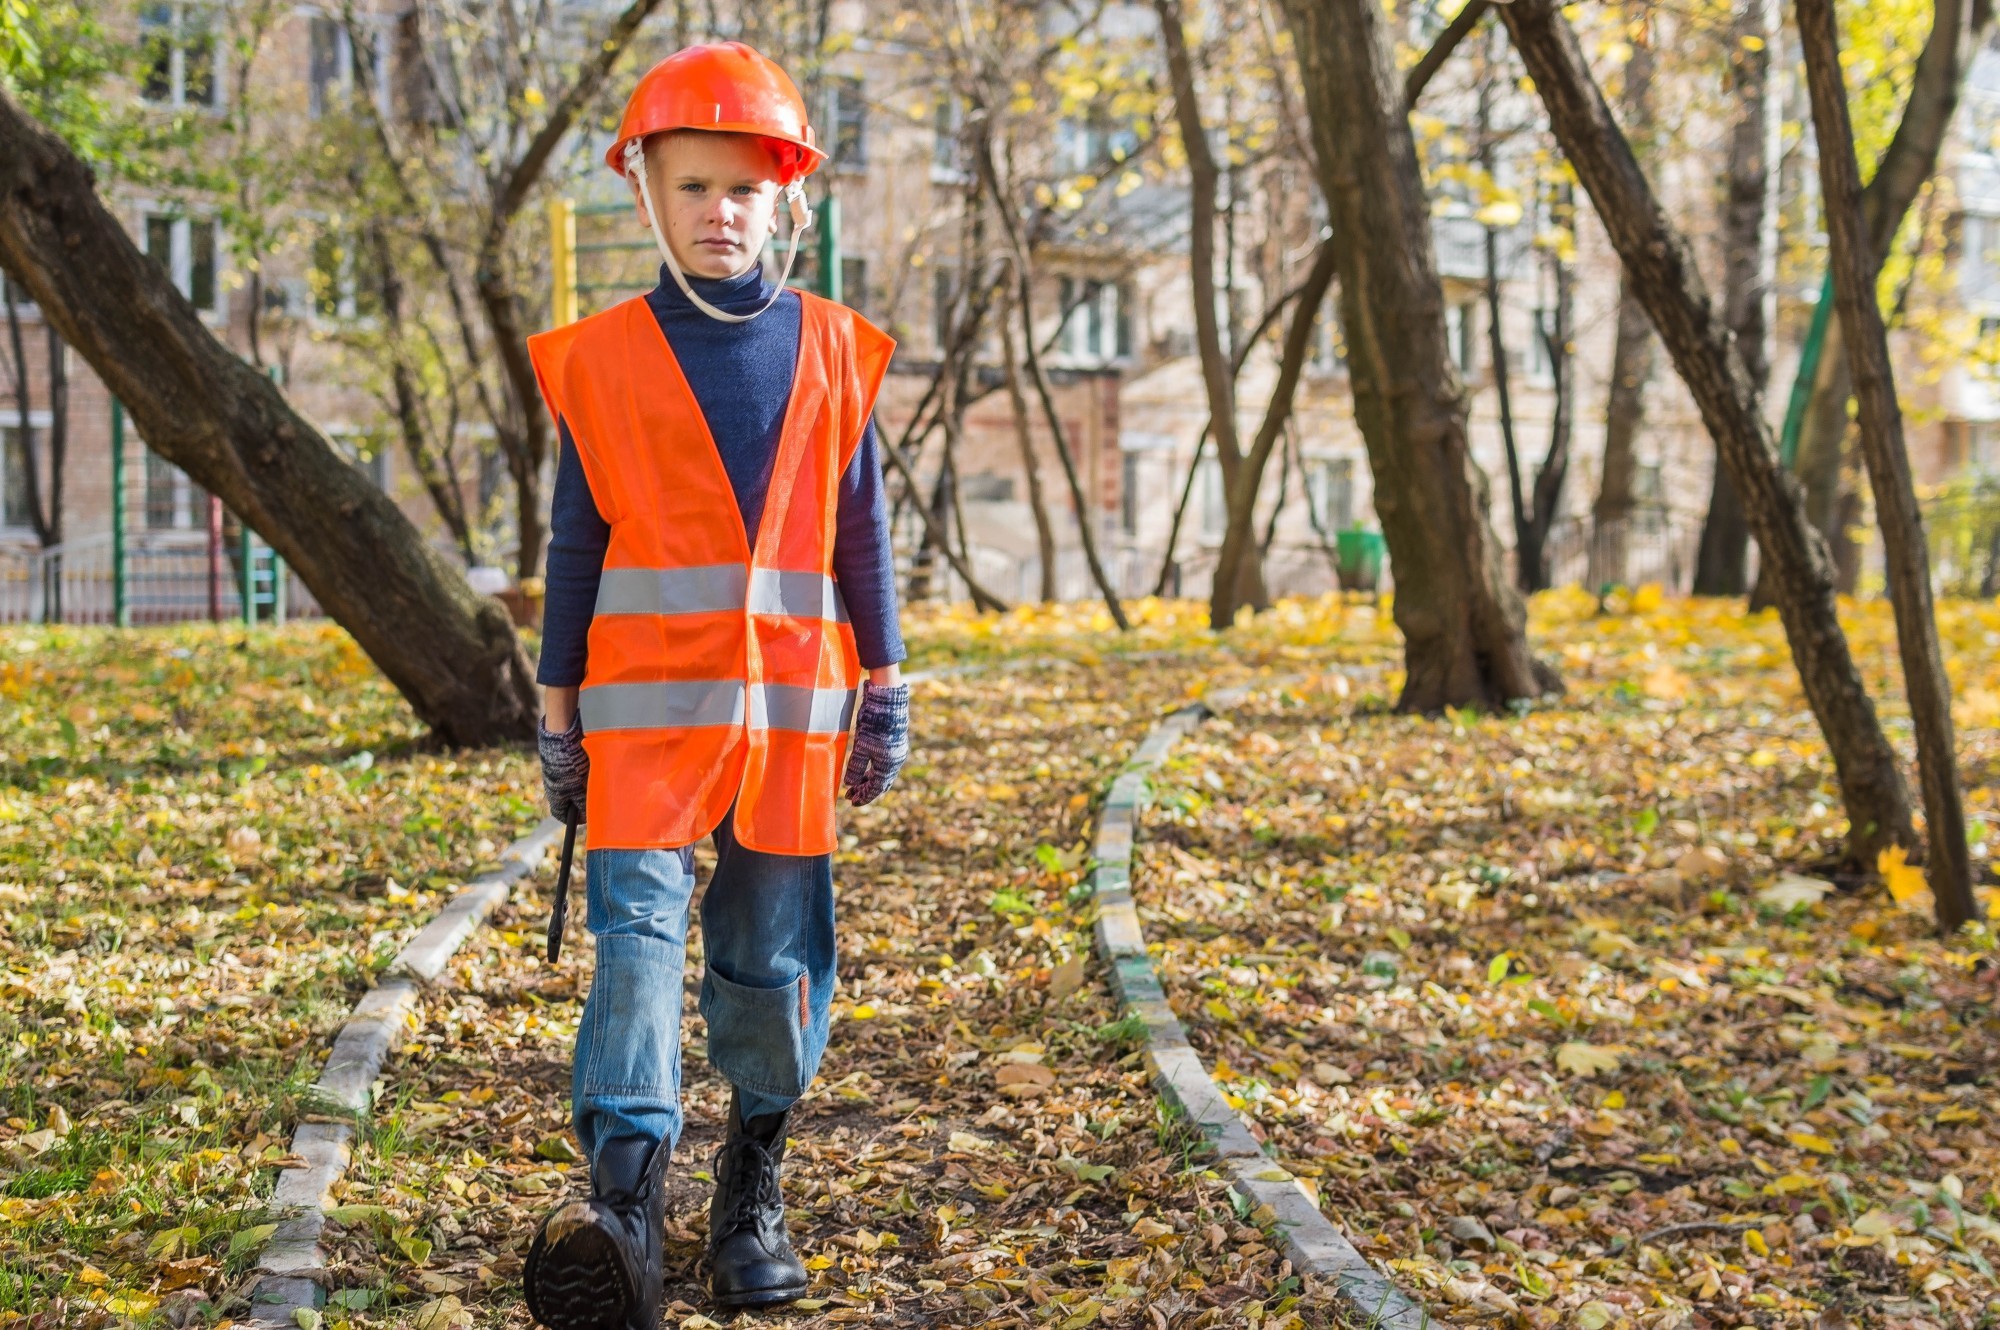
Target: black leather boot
<point>595,1264</point>
<point>751,1262</point>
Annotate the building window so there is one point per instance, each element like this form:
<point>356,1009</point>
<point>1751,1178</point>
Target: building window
<point>172,500</point>
<point>944,298</point>
<point>1092,142</point>
<point>1214,503</point>
<point>1330,492</point>
<point>847,113</point>
<point>177,48</point>
<point>1097,326</point>
<point>1540,367</point>
<point>1128,492</point>
<point>16,513</point>
<point>854,284</point>
<point>1461,323</point>
<point>187,249</point>
<point>1329,343</point>
<point>333,68</point>
<point>340,281</point>
<point>947,152</point>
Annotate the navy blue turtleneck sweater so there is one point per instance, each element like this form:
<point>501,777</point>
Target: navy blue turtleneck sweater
<point>741,374</point>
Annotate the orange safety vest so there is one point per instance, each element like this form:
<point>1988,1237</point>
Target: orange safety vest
<point>717,673</point>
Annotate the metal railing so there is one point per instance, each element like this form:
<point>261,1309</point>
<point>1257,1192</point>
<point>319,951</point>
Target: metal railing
<point>166,581</point>
<point>1646,547</point>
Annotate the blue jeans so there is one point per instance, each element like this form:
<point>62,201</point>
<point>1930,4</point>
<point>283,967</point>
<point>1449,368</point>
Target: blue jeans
<point>767,929</point>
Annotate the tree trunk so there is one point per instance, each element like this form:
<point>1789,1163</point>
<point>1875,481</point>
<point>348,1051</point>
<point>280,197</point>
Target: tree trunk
<point>1661,269</point>
<point>1546,498</point>
<point>1631,365</point>
<point>1909,161</point>
<point>1463,625</point>
<point>451,652</point>
<point>1750,260</point>
<point>1246,585</point>
<point>1031,463</point>
<point>445,495</point>
<point>58,355</point>
<point>1240,560</point>
<point>1624,414</point>
<point>1024,296</point>
<point>1853,264</point>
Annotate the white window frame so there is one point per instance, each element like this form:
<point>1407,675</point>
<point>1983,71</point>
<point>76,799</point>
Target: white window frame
<point>188,514</point>
<point>840,88</point>
<point>1321,473</point>
<point>1213,498</point>
<point>176,31</point>
<point>320,98</point>
<point>947,147</point>
<point>180,258</point>
<point>346,287</point>
<point>10,424</point>
<point>1541,369</point>
<point>1090,331</point>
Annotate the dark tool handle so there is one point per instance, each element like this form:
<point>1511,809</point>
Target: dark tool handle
<point>559,916</point>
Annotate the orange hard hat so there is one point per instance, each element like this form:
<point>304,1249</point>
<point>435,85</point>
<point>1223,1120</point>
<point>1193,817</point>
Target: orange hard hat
<point>725,87</point>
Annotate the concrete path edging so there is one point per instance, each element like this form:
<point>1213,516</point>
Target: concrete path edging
<point>343,1095</point>
<point>1311,1241</point>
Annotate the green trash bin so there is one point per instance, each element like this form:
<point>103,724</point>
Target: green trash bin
<point>1358,552</point>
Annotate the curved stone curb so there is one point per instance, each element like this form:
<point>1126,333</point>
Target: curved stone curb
<point>1275,1198</point>
<point>344,1092</point>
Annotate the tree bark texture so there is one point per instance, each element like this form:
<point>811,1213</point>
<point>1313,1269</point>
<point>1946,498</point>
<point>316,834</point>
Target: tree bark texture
<point>1631,366</point>
<point>1463,624</point>
<point>1750,260</point>
<point>1854,265</point>
<point>451,652</point>
<point>1661,269</point>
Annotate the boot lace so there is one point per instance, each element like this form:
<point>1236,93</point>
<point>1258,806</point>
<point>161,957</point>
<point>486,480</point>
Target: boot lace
<point>753,1187</point>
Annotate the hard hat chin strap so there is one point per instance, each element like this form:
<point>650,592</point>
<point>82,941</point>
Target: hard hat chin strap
<point>802,220</point>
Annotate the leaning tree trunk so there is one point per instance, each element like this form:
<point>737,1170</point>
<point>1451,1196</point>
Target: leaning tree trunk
<point>1750,259</point>
<point>1463,625</point>
<point>1631,367</point>
<point>1907,163</point>
<point>1882,446</point>
<point>451,652</point>
<point>1661,269</point>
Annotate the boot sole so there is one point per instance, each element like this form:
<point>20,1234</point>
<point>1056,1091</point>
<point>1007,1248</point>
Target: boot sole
<point>578,1282</point>
<point>761,1297</point>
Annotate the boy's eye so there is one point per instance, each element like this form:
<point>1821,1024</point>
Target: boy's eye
<point>746,189</point>
<point>692,187</point>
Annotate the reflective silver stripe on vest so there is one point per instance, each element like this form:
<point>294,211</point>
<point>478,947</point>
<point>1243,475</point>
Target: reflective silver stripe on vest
<point>784,706</point>
<point>655,706</point>
<point>701,590</point>
<point>800,595</point>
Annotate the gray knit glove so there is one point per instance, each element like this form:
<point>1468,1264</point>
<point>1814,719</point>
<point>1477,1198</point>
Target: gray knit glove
<point>881,742</point>
<point>565,769</point>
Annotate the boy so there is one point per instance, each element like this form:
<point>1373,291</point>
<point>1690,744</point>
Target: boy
<point>719,574</point>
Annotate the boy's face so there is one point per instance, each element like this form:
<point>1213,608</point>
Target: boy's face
<point>717,198</point>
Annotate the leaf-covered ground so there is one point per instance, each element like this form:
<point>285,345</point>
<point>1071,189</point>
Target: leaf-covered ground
<point>980,1148</point>
<point>1519,994</point>
<point>1560,1011</point>
<point>208,848</point>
